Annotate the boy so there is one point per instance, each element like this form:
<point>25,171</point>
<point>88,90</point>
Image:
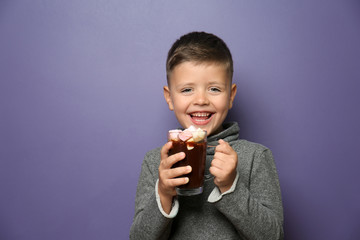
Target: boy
<point>241,197</point>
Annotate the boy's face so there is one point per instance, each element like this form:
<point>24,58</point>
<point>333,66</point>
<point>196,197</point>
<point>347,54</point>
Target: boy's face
<point>200,95</point>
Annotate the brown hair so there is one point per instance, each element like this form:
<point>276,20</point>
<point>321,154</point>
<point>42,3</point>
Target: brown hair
<point>199,47</point>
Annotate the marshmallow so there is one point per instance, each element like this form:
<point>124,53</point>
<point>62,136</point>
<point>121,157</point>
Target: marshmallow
<point>198,135</point>
<point>190,134</point>
<point>185,135</point>
<point>191,128</point>
<point>190,147</point>
<point>174,134</point>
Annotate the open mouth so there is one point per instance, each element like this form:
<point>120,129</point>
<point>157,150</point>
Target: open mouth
<point>201,118</point>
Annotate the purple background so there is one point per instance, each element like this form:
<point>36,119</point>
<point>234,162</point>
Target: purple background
<point>81,102</point>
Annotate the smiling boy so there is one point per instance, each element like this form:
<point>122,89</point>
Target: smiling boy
<point>200,94</point>
<point>241,198</point>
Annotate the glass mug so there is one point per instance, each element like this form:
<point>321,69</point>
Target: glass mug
<point>195,156</point>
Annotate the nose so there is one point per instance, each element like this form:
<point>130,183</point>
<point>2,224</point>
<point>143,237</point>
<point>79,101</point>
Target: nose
<point>201,98</point>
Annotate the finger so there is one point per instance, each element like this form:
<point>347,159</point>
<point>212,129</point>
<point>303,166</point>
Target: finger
<point>220,156</point>
<point>165,149</point>
<point>224,147</point>
<point>217,163</point>
<point>168,162</point>
<point>175,182</point>
<point>177,172</point>
<point>216,172</point>
<point>171,160</point>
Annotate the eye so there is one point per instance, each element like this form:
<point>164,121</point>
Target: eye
<point>215,89</point>
<point>186,90</point>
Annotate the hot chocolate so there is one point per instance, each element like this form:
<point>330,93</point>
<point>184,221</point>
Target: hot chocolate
<point>193,143</point>
<point>195,157</point>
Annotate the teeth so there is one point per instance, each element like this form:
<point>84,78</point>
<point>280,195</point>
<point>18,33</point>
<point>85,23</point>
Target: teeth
<point>200,114</point>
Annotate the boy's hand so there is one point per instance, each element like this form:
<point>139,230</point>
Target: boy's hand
<point>168,176</point>
<point>223,166</point>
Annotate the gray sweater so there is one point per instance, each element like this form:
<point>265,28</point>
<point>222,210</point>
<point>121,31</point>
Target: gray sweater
<point>252,210</point>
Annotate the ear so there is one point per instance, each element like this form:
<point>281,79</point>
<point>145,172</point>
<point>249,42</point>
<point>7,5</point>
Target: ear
<point>232,95</point>
<point>168,97</point>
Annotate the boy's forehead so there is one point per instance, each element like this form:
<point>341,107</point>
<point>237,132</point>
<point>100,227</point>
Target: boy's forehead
<point>180,66</point>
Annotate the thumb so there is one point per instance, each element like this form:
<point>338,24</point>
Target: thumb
<point>165,149</point>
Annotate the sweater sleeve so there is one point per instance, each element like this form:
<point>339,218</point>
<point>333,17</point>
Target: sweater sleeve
<point>149,222</point>
<point>255,207</point>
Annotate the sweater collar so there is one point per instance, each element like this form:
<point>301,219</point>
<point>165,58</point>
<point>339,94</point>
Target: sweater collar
<point>230,133</point>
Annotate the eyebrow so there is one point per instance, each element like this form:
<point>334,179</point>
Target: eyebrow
<point>216,82</point>
<point>190,83</point>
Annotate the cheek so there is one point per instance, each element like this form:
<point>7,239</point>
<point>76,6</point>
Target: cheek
<point>180,106</point>
<point>222,105</point>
